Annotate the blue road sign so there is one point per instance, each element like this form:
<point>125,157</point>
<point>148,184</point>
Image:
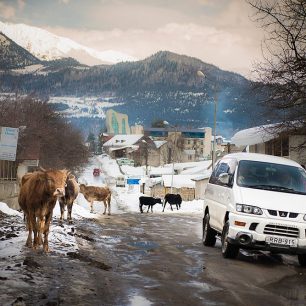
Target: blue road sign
<point>132,181</point>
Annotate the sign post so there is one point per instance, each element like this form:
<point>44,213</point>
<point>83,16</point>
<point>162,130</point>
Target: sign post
<point>8,143</point>
<point>133,183</point>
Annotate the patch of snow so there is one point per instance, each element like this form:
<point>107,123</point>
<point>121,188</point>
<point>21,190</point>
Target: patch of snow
<point>30,69</point>
<point>8,211</point>
<point>78,107</point>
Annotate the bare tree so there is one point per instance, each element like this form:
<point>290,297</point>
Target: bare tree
<point>283,70</point>
<point>58,144</point>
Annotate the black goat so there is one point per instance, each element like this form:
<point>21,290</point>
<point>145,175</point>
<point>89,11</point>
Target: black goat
<point>149,201</point>
<point>172,199</point>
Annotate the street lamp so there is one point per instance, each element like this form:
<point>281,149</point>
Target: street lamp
<point>213,159</point>
<point>175,131</point>
<point>146,154</point>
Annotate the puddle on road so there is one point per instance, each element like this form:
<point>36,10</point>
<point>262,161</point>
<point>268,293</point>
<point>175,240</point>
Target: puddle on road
<point>144,245</point>
<point>194,271</point>
<point>293,288</point>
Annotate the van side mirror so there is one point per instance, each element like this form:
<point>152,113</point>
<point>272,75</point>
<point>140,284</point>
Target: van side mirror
<point>224,178</point>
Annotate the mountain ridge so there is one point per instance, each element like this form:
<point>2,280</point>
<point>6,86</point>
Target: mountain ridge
<point>165,85</point>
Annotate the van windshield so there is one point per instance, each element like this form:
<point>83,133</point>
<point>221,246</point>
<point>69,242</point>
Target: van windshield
<point>270,176</point>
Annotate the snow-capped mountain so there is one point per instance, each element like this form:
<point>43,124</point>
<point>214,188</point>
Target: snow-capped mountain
<point>13,56</point>
<point>48,46</point>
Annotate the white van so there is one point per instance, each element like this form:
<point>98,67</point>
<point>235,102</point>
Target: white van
<point>256,201</point>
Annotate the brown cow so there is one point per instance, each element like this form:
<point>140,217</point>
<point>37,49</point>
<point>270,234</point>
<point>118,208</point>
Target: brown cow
<point>93,193</point>
<point>37,198</point>
<point>71,192</point>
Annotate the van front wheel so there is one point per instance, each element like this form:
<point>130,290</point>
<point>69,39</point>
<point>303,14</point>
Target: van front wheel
<point>302,259</point>
<point>209,234</point>
<point>228,250</point>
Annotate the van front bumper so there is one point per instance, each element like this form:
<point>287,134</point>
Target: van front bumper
<point>254,233</point>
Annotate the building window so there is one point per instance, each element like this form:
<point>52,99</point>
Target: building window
<point>115,125</point>
<point>123,126</point>
<point>278,147</point>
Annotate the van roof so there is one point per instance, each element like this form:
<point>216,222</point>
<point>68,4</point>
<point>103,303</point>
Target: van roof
<point>263,158</point>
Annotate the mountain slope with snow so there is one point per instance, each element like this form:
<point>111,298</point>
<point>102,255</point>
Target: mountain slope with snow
<point>13,56</point>
<point>47,46</point>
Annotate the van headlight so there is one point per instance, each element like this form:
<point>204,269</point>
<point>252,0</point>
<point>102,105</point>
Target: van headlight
<point>248,209</point>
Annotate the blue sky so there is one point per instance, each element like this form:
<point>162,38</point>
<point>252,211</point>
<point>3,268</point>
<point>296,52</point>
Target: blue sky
<point>219,32</point>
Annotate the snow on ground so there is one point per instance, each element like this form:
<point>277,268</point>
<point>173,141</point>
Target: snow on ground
<point>62,237</point>
<point>124,199</point>
<point>127,198</point>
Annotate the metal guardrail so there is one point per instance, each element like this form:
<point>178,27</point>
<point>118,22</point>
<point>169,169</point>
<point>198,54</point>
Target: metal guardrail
<point>8,170</point>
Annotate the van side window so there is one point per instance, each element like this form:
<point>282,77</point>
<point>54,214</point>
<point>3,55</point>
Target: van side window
<point>213,177</point>
<point>224,166</point>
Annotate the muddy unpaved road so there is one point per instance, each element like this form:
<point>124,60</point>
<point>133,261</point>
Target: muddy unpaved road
<point>139,259</point>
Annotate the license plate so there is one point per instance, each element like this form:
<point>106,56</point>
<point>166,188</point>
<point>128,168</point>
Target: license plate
<point>292,242</point>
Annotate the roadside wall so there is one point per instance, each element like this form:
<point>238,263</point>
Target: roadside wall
<point>9,193</point>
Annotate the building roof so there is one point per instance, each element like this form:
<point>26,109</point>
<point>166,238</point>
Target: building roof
<point>256,135</point>
<point>123,140</point>
<point>159,143</point>
<point>263,158</point>
<point>179,181</point>
<point>178,129</point>
<point>202,177</point>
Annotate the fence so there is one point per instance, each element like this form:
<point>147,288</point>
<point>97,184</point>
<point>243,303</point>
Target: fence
<point>8,170</point>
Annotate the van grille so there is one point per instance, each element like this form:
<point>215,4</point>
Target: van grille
<point>283,214</point>
<point>281,230</point>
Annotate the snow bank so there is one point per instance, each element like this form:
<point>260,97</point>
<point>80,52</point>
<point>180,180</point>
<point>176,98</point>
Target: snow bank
<point>8,211</point>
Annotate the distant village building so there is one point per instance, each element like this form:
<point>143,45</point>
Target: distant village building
<point>192,144</point>
<point>139,148</point>
<point>267,139</point>
<point>223,146</point>
<point>117,123</point>
<point>121,145</point>
<point>137,129</point>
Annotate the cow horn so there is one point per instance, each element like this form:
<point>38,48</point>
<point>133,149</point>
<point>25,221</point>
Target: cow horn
<point>42,169</point>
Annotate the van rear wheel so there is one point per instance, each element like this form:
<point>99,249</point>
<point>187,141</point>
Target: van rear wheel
<point>302,259</point>
<point>209,234</point>
<point>229,250</point>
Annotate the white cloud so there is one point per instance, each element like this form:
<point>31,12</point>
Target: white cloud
<point>6,11</point>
